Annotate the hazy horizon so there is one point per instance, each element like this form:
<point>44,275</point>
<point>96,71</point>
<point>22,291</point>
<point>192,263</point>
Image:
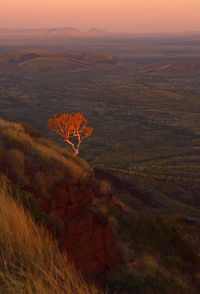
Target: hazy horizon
<point>99,28</point>
<point>142,16</point>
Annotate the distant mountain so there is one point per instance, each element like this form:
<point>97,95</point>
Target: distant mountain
<point>38,61</point>
<point>42,31</point>
<point>64,31</point>
<point>177,67</point>
<point>28,33</point>
<point>96,31</point>
<point>50,32</point>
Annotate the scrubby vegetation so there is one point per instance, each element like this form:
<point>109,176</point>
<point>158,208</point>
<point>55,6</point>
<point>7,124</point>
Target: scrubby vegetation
<point>158,253</point>
<point>29,260</point>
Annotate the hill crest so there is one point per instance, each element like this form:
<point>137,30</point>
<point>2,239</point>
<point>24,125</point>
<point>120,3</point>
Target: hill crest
<point>175,67</point>
<point>48,32</point>
<point>39,61</point>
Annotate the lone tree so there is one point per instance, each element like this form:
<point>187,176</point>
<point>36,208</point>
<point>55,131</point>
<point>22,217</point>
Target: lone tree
<point>70,126</point>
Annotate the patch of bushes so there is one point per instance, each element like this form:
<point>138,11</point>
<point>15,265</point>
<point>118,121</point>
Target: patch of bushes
<point>134,282</point>
<point>157,255</point>
<point>164,235</point>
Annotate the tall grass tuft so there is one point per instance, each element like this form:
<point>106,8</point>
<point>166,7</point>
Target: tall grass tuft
<point>29,260</point>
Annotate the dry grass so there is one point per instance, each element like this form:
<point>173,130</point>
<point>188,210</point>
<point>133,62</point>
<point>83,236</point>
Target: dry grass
<point>29,261</point>
<point>149,264</point>
<point>14,161</point>
<point>21,152</point>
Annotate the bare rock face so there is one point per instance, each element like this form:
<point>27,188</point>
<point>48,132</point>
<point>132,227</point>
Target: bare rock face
<point>88,239</point>
<point>81,230</point>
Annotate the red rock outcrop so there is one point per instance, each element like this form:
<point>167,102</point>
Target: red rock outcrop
<point>81,229</point>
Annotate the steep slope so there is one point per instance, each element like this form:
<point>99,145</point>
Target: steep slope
<point>160,253</point>
<point>29,260</point>
<point>64,188</point>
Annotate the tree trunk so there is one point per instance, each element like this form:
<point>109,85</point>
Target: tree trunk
<point>75,152</point>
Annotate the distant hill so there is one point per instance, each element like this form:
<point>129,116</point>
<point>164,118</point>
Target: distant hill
<point>50,32</point>
<point>38,61</point>
<point>64,30</point>
<point>178,67</point>
<point>67,32</point>
<point>96,31</point>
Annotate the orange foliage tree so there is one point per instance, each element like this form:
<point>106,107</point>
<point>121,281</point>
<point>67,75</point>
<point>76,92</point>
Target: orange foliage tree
<point>69,126</point>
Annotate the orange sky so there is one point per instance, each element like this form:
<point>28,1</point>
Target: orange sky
<point>113,15</point>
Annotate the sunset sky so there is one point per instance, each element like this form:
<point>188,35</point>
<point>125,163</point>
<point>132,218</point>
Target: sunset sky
<point>113,15</point>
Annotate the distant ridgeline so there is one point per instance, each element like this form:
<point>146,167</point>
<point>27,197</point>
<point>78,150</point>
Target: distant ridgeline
<point>38,61</point>
<point>53,32</point>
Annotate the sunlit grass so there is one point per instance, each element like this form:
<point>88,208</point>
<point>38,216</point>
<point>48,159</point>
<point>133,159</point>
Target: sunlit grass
<point>23,151</point>
<point>29,261</point>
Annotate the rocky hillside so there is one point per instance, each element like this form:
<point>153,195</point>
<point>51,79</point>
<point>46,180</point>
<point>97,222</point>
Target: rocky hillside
<point>29,261</point>
<point>61,190</point>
